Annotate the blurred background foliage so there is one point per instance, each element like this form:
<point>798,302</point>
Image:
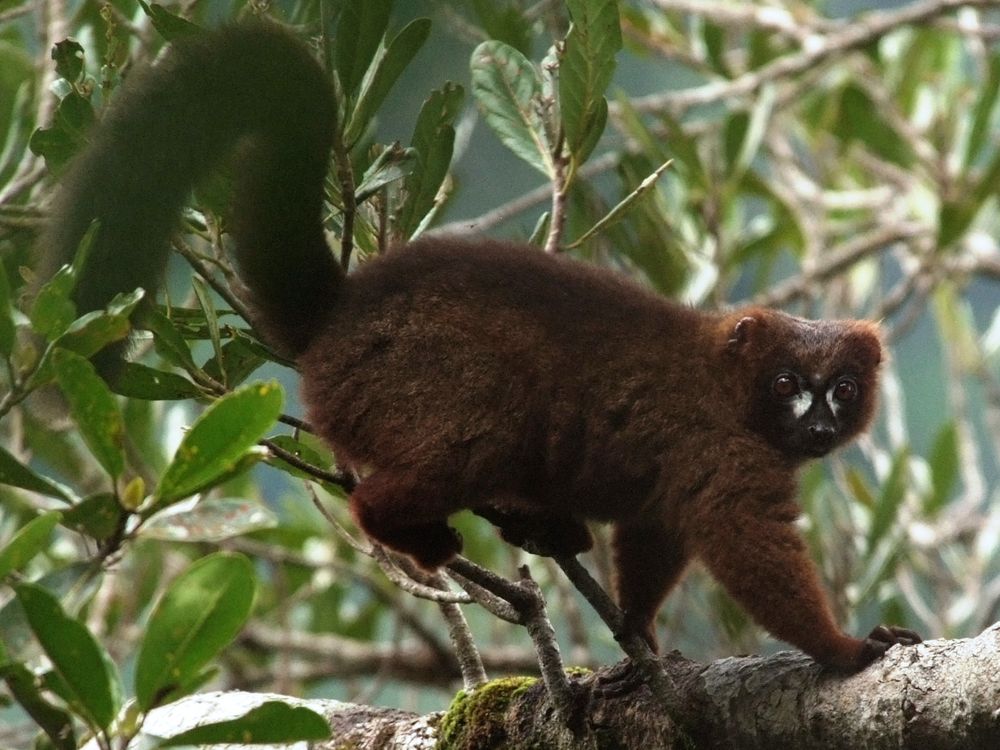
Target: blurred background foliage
<point>836,159</point>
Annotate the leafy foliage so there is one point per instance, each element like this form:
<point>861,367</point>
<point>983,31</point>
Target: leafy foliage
<point>201,612</point>
<point>159,533</point>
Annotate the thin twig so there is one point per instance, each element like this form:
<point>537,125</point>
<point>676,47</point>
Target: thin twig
<point>560,186</point>
<point>469,660</point>
<point>342,479</point>
<point>401,573</point>
<point>532,607</point>
<point>531,199</point>
<point>32,168</point>
<point>16,12</point>
<point>295,422</point>
<point>838,259</point>
<point>345,176</point>
<point>464,572</point>
<point>342,569</point>
<point>197,262</point>
<point>358,546</point>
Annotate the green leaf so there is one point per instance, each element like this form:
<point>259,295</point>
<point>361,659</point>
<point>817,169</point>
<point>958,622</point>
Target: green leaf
<point>684,148</point>
<point>58,143</point>
<point>191,322</point>
<point>394,163</point>
<point>53,145</point>
<point>53,311</point>
<point>85,337</point>
<point>299,450</point>
<point>16,474</point>
<point>733,135</point>
<point>541,230</point>
<point>744,133</point>
<point>93,408</point>
<point>97,516</point>
<point>508,90</point>
<point>77,658</point>
<point>219,438</point>
<point>585,70</point>
<point>204,295</point>
<point>926,56</point>
<point>29,540</point>
<point>92,332</point>
<point>55,722</point>
<point>200,613</point>
<point>617,213</point>
<point>137,380</point>
<point>7,329</point>
<point>634,126</point>
<point>433,141</point>
<point>595,129</point>
<point>89,334</point>
<point>860,119</point>
<point>944,464</point>
<point>272,722</point>
<point>891,498</point>
<point>386,70</point>
<point>859,487</point>
<point>240,466</point>
<point>239,358</point>
<point>169,25</point>
<point>982,112</point>
<point>15,632</point>
<point>954,218</point>
<point>167,339</point>
<point>716,42</point>
<point>786,228</point>
<point>958,215</point>
<point>209,521</point>
<point>75,116</point>
<point>648,239</point>
<point>360,31</point>
<point>986,182</point>
<point>505,22</point>
<point>436,115</point>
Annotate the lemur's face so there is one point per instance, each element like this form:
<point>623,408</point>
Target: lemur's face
<point>816,385</point>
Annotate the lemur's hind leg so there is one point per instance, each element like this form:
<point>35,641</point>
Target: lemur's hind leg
<point>540,533</point>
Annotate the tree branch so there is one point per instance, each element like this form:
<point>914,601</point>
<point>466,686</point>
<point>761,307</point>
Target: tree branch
<point>821,48</point>
<point>940,694</point>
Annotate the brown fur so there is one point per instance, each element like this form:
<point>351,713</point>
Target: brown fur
<point>541,392</point>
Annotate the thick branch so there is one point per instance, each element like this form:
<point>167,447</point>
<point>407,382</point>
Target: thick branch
<point>941,694</point>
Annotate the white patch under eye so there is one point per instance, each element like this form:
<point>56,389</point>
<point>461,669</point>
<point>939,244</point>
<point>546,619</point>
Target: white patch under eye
<point>832,402</point>
<point>801,403</point>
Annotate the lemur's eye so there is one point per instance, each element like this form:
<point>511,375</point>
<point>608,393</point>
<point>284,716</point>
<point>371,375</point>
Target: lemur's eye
<point>846,390</point>
<point>785,386</point>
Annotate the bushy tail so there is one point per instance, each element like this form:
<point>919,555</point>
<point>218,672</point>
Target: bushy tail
<point>250,85</point>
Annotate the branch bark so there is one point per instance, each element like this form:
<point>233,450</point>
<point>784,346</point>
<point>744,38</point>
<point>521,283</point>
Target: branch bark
<point>941,694</point>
